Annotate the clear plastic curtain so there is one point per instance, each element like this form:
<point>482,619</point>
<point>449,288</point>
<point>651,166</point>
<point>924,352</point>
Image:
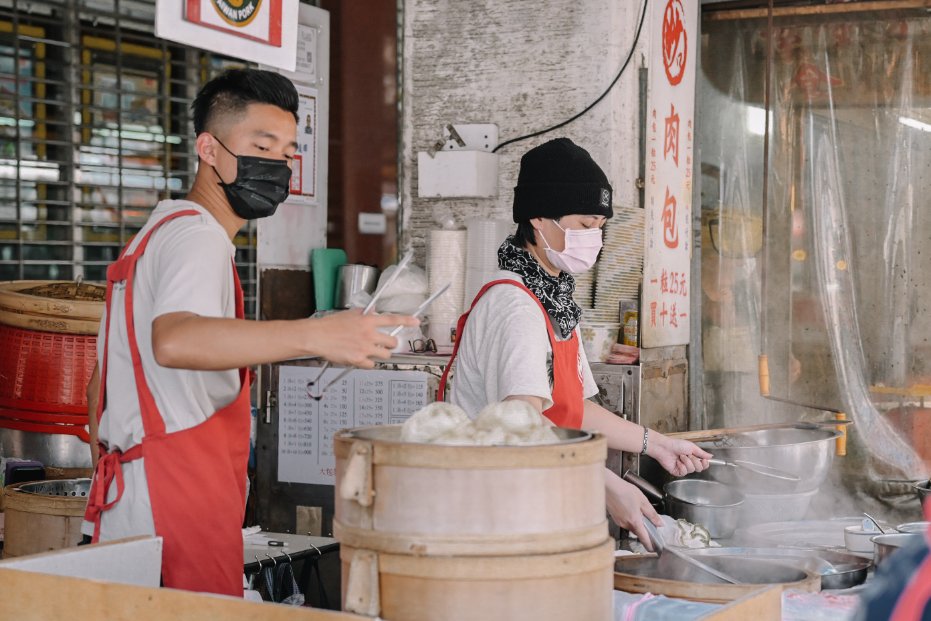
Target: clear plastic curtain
<point>839,296</point>
<point>732,219</point>
<point>850,264</point>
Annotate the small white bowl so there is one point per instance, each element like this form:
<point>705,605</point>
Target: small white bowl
<point>858,540</point>
<point>597,339</point>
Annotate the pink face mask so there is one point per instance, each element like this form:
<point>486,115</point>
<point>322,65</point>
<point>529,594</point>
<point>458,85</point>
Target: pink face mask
<point>580,252</point>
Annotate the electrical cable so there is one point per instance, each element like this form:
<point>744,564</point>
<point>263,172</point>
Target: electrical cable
<point>630,55</point>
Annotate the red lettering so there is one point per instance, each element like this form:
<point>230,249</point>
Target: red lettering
<point>671,143</point>
<point>670,230</point>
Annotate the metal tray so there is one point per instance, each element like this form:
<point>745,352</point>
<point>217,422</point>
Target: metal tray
<point>392,433</point>
<point>837,569</point>
<point>61,487</point>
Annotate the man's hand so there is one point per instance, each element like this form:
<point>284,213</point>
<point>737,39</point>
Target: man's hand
<point>189,341</point>
<point>677,457</point>
<point>628,507</point>
<point>353,339</point>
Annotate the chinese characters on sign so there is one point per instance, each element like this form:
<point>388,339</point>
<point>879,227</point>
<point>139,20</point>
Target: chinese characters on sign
<point>306,427</point>
<point>668,193</point>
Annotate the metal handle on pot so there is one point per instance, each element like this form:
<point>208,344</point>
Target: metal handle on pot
<point>645,486</point>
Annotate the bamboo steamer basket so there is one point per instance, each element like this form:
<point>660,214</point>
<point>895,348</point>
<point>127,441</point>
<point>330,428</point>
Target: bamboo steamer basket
<point>450,533</point>
<point>544,587</point>
<point>52,306</point>
<point>39,522</point>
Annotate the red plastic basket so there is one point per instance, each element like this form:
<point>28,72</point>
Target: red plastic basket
<point>45,371</point>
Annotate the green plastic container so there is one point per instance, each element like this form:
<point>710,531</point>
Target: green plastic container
<point>325,264</point>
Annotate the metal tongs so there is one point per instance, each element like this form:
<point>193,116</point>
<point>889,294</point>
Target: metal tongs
<point>368,308</point>
<point>661,549</point>
<point>417,313</point>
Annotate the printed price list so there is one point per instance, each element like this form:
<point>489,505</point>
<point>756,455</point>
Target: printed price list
<point>306,427</point>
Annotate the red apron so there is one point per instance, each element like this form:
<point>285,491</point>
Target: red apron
<point>917,593</point>
<point>196,476</point>
<point>567,378</point>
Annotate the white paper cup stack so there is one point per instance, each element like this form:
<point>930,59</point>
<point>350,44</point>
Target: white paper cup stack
<point>484,238</point>
<point>446,263</point>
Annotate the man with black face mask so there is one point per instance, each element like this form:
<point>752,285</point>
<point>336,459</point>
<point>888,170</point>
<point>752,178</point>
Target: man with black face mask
<point>169,402</point>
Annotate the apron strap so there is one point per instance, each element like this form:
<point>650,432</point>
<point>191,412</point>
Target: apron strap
<point>916,596</point>
<point>460,327</point>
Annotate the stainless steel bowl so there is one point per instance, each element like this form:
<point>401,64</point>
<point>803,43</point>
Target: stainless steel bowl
<point>706,503</point>
<point>885,545</point>
<point>913,527</point>
<point>76,488</point>
<point>806,453</point>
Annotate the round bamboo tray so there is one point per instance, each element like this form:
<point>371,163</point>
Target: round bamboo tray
<point>52,306</point>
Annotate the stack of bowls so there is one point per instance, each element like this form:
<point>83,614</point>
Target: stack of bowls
<point>805,453</point>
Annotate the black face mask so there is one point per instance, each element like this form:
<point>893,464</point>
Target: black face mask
<point>261,185</point>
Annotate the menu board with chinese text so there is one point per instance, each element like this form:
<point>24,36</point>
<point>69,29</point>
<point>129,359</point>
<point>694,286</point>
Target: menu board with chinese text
<point>306,427</point>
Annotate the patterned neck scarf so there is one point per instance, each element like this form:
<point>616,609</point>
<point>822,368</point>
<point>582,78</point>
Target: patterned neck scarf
<point>554,292</point>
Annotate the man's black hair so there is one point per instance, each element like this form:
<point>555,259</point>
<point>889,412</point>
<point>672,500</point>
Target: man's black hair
<point>232,91</point>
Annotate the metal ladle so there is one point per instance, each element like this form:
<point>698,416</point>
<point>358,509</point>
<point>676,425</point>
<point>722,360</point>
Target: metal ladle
<point>875,522</point>
<point>761,469</point>
<point>661,549</point>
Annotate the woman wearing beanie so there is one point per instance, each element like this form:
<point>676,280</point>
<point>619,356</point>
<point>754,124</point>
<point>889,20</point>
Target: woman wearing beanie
<point>520,340</point>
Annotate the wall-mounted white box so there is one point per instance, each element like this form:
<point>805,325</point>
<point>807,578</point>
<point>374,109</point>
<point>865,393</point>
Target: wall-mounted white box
<point>457,174</point>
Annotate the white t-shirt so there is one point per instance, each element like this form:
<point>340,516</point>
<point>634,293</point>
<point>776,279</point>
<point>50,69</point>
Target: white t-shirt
<point>506,351</point>
<point>187,267</point>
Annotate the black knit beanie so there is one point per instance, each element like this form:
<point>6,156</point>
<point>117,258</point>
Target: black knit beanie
<point>559,178</point>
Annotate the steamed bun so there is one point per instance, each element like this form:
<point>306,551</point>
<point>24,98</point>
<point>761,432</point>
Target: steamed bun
<point>507,423</point>
<point>433,421</point>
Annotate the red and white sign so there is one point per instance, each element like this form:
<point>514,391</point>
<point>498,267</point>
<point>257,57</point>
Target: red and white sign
<point>261,31</point>
<point>259,20</point>
<point>668,194</point>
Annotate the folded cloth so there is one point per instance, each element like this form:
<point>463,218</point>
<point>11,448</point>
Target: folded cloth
<point>684,534</point>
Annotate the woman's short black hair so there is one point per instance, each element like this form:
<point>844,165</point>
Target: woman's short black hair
<point>525,235</point>
<point>232,91</point>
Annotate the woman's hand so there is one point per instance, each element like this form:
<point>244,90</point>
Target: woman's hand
<point>677,457</point>
<point>628,507</point>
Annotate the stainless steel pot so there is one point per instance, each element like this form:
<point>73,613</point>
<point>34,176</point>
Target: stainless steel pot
<point>706,503</point>
<point>806,453</point>
<point>52,449</point>
<point>885,545</point>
